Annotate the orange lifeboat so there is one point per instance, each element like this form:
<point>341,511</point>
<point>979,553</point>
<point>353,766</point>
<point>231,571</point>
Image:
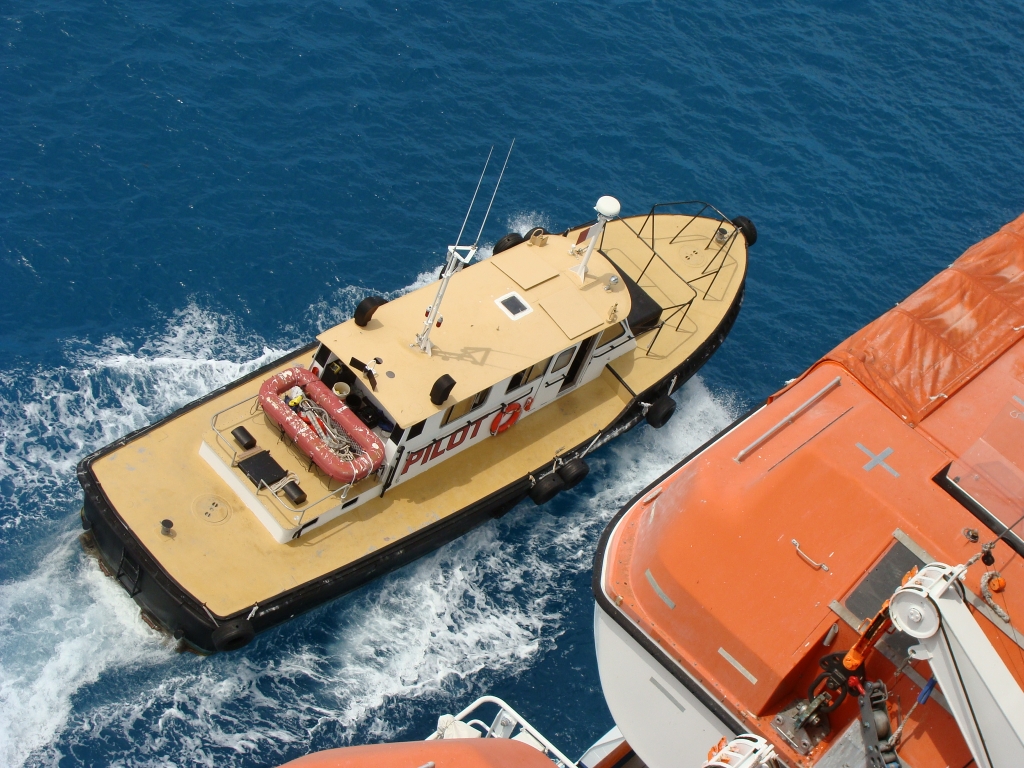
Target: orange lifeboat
<point>304,436</point>
<point>747,591</point>
<point>457,753</point>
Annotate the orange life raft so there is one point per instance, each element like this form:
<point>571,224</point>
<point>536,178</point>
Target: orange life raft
<point>306,437</point>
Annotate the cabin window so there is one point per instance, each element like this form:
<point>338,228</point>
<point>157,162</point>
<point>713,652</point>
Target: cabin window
<point>563,359</point>
<point>322,356</point>
<point>527,375</point>
<point>416,429</point>
<point>611,334</point>
<point>990,492</point>
<point>459,410</point>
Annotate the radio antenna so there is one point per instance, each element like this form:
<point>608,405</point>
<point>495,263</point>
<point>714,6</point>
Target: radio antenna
<point>475,192</point>
<point>495,193</point>
<point>458,256</point>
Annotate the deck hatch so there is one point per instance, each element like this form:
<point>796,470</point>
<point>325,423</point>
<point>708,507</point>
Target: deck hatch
<point>571,312</point>
<point>526,269</point>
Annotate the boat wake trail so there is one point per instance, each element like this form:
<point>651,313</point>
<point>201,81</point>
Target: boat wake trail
<point>81,674</point>
<point>62,623</point>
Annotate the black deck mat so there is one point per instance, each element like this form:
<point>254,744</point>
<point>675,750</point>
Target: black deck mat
<point>263,467</point>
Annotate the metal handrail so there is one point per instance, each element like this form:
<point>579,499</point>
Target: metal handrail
<point>661,323</point>
<point>289,512</point>
<point>789,419</point>
<point>489,731</point>
<point>220,435</point>
<point>343,489</point>
<point>726,246</point>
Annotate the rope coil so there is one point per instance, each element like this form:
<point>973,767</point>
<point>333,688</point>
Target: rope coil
<point>334,436</point>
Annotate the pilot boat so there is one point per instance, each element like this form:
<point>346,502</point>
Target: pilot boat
<point>834,581</point>
<point>413,422</point>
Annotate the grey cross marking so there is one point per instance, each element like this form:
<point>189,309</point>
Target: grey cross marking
<point>879,460</point>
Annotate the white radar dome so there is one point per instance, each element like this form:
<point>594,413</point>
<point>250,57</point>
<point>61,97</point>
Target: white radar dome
<point>608,206</point>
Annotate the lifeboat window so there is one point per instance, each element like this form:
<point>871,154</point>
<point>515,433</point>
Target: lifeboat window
<point>993,493</point>
<point>459,410</point>
<point>563,359</point>
<point>416,429</point>
<point>611,334</point>
<point>527,375</point>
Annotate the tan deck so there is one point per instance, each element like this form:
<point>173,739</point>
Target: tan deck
<point>478,344</point>
<point>694,257</point>
<point>234,563</point>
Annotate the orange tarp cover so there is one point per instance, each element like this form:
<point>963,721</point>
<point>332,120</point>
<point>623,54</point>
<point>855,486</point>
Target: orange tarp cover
<point>917,355</point>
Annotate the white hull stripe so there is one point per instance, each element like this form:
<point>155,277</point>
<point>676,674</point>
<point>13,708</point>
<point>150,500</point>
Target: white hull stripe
<point>658,590</point>
<point>739,667</point>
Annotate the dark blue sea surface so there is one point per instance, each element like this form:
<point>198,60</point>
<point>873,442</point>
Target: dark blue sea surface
<point>189,189</point>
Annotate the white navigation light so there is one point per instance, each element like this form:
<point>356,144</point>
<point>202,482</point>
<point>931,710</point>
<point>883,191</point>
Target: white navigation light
<point>608,206</point>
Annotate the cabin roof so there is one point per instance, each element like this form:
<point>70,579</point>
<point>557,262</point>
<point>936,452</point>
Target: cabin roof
<point>478,344</point>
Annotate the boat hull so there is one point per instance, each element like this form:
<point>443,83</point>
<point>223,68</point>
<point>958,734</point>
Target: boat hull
<point>172,608</point>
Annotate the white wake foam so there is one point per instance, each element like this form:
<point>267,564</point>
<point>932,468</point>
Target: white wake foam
<point>55,415</point>
<point>492,603</point>
<point>523,221</point>
<point>64,624</point>
<point>60,629</point>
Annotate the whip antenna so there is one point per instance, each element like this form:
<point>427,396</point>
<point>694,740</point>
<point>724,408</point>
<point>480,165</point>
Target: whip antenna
<point>495,193</point>
<point>471,202</point>
<point>458,257</point>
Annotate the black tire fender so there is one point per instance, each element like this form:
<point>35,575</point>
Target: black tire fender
<point>573,472</point>
<point>510,240</point>
<point>366,308</point>
<point>661,411</point>
<point>747,228</point>
<point>545,489</point>
<point>232,635</point>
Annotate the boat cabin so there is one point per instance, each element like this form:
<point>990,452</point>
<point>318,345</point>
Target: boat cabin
<point>516,332</point>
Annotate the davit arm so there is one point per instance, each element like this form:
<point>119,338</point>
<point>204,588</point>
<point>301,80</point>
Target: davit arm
<point>986,700</point>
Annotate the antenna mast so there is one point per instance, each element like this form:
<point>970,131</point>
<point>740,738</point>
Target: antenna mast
<point>458,257</point>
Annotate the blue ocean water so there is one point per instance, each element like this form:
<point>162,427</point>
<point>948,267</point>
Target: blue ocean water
<point>188,190</point>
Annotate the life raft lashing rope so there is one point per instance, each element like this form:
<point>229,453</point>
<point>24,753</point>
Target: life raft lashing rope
<point>321,425</point>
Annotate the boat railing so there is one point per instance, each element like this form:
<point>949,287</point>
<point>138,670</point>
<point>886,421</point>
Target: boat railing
<point>296,514</point>
<point>680,309</point>
<point>226,444</point>
<point>503,726</point>
<point>713,268</point>
<point>717,262</point>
